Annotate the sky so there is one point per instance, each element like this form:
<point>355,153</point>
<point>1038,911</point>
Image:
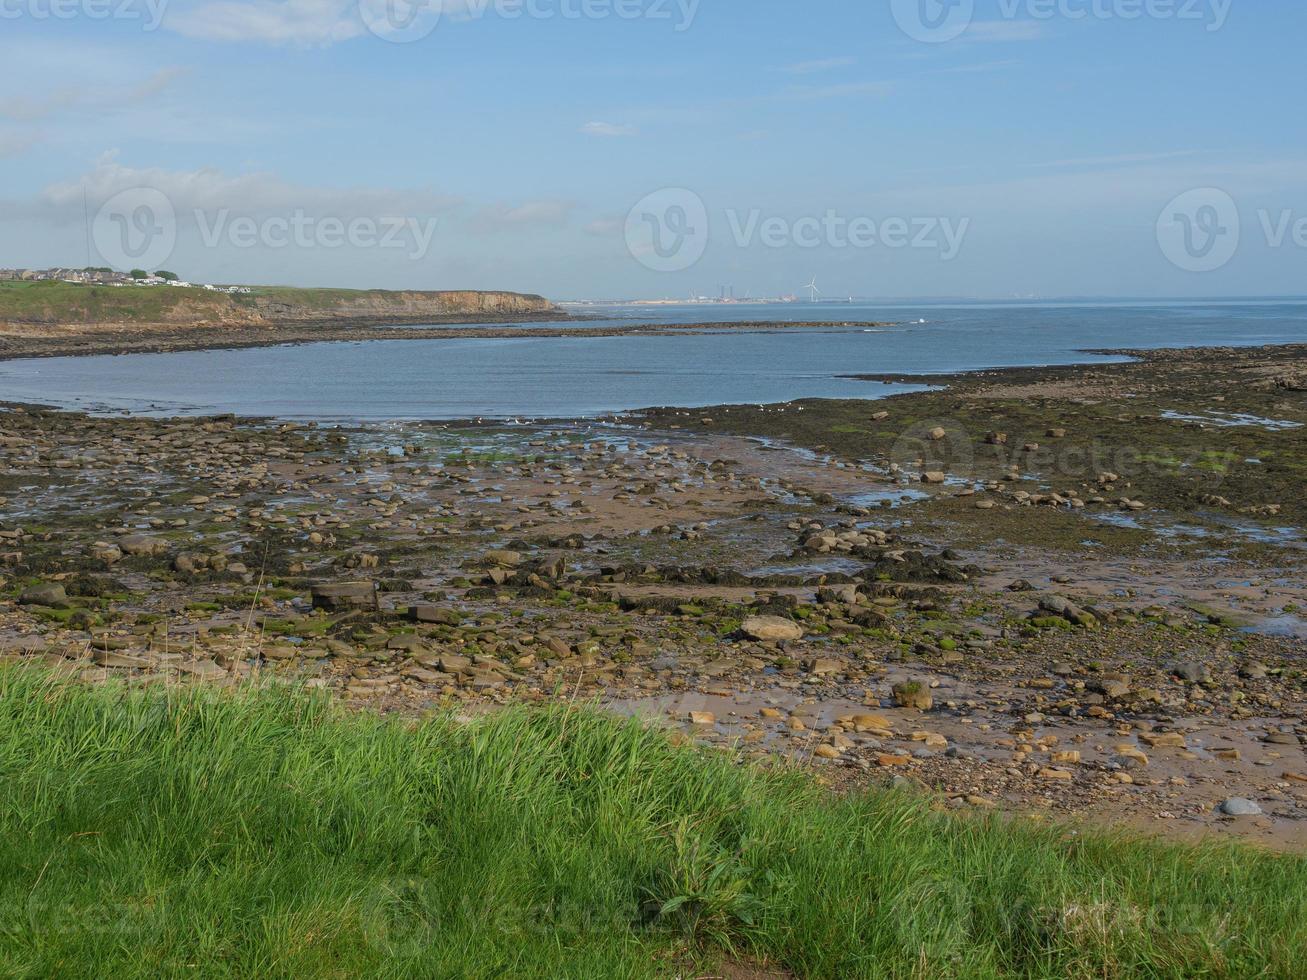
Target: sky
<point>606,149</point>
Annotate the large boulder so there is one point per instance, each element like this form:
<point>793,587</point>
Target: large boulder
<point>50,594</point>
<point>142,545</point>
<point>771,628</point>
<point>914,695</point>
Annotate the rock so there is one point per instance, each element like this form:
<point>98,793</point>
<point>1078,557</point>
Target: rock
<point>931,740</point>
<point>1193,673</point>
<point>434,614</point>
<point>107,553</point>
<point>205,670</point>
<point>189,564</point>
<point>560,647</point>
<point>1068,610</point>
<point>938,433</point>
<point>913,695</point>
<point>339,648</point>
<point>508,559</point>
<point>847,594</point>
<point>142,545</point>
<point>703,719</point>
<point>771,628</point>
<point>934,476</point>
<point>424,676</point>
<point>1169,740</point>
<point>109,658</point>
<point>1130,757</point>
<point>1238,807</point>
<point>484,680</point>
<point>1280,738</point>
<point>341,596</point>
<point>50,594</point>
<point>868,723</point>
<point>408,643</point>
<point>826,752</point>
<point>1112,688</point>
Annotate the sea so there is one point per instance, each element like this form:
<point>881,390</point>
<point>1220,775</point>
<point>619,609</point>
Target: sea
<point>525,378</point>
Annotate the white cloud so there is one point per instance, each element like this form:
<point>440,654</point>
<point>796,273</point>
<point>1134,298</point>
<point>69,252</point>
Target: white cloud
<point>819,65</point>
<point>296,22</point>
<point>98,98</point>
<point>1106,188</point>
<point>1002,31</point>
<point>550,213</point>
<point>846,90</point>
<point>608,129</point>
<point>16,144</point>
<point>1121,160</point>
<point>604,227</point>
<point>210,190</point>
<point>984,66</point>
<point>316,23</point>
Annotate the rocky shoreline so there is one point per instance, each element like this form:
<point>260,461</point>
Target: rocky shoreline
<point>82,340</point>
<point>914,590</point>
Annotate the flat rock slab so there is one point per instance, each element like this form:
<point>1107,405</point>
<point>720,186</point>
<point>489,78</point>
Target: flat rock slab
<point>341,596</point>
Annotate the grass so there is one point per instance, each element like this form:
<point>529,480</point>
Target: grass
<point>264,833</point>
<point>62,302</point>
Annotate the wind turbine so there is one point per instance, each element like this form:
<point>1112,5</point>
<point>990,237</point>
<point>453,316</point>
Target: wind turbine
<point>813,286</point>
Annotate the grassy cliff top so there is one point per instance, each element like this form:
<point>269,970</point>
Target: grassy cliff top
<point>60,302</point>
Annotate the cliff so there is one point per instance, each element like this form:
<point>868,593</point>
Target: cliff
<point>24,306</point>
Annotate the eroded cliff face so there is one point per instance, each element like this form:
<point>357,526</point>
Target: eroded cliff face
<point>406,304</point>
<point>102,309</point>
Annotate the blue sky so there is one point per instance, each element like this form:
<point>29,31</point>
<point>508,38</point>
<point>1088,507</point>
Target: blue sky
<point>1033,154</point>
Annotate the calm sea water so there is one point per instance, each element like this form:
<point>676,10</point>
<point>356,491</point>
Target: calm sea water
<point>563,377</point>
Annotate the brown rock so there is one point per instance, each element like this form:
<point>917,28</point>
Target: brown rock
<point>771,628</point>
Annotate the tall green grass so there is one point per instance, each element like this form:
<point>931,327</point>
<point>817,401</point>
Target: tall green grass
<point>156,833</point>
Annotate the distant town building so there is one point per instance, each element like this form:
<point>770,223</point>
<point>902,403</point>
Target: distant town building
<point>107,277</point>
